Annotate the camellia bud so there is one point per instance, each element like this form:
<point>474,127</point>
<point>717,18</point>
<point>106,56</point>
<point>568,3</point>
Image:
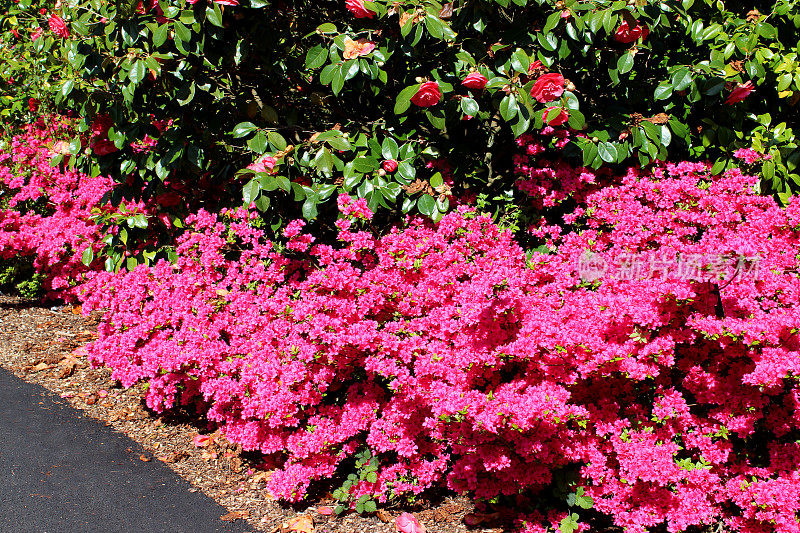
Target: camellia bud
<point>595,139</point>
<point>390,165</point>
<point>568,85</point>
<point>381,172</point>
<point>419,79</point>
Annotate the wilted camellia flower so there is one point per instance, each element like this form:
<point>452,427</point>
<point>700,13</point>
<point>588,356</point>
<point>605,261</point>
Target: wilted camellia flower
<point>264,164</point>
<point>353,49</point>
<point>740,92</point>
<point>427,95</point>
<point>407,523</point>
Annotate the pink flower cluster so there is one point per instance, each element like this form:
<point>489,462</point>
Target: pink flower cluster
<point>459,362</point>
<point>49,212</point>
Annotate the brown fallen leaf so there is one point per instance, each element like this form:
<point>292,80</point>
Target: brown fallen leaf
<point>473,519</point>
<point>145,458</point>
<point>384,516</point>
<point>80,352</point>
<point>234,515</point>
<point>66,371</point>
<point>40,367</point>
<point>173,457</point>
<point>77,310</point>
<point>299,524</point>
<point>261,476</point>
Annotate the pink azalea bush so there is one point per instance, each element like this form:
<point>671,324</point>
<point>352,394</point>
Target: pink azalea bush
<point>47,211</point>
<point>460,362</point>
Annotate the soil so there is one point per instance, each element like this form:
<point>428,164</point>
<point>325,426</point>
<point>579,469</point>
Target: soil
<point>45,345</point>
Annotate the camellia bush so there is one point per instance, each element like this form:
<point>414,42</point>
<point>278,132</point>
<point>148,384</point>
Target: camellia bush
<point>288,104</point>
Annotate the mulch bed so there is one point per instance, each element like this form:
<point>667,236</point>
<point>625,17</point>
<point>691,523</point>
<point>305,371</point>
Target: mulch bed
<point>44,345</point>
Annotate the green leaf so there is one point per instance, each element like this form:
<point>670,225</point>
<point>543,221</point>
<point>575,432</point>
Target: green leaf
<point>188,90</point>
<point>309,209</point>
<point>337,83</point>
<point>437,119</point>
<point>662,92</point>
<point>403,101</point>
<point>370,506</point>
<point>365,165</point>
<point>251,191</point>
<point>276,140</point>
<point>242,129</point>
<point>437,180</point>
<point>548,41</point>
<point>88,256</point>
<point>681,79</point>
<point>137,71</point>
<point>182,32</point>
<point>214,15</point>
<point>719,166</point>
<point>316,57</point>
<point>389,148</point>
<point>576,119</point>
<point>768,169</point>
<point>427,205</point>
<point>160,35</point>
<point>67,88</point>
<point>258,143</point>
<point>589,154</point>
<point>625,63</point>
<point>469,106</point>
<point>406,171</point>
<point>508,107</point>
<point>607,152</point>
<point>324,160</point>
<point>326,75</point>
<point>327,27</point>
<point>520,61</point>
<point>339,143</point>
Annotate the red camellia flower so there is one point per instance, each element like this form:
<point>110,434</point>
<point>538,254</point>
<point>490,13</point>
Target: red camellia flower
<point>548,87</point>
<point>58,26</point>
<point>627,35</point>
<point>390,165</point>
<point>103,147</point>
<point>740,92</point>
<point>559,119</point>
<point>475,81</point>
<point>33,105</point>
<point>356,7</point>
<point>427,95</point>
<point>100,125</point>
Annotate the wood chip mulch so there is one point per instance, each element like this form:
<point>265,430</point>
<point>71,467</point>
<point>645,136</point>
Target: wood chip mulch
<point>45,345</point>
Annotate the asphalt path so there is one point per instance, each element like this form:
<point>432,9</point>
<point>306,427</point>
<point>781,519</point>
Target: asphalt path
<point>62,472</point>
